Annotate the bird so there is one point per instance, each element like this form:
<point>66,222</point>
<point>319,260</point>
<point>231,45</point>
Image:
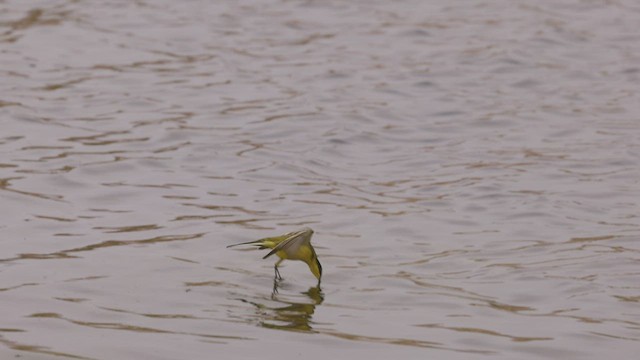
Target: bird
<point>295,245</point>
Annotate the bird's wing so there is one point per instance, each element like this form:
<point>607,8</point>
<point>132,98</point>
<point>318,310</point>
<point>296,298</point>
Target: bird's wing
<point>295,238</point>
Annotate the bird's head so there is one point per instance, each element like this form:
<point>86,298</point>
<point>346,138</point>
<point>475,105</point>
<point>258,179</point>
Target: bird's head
<point>315,267</point>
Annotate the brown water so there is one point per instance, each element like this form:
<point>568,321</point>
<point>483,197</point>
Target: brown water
<point>471,170</point>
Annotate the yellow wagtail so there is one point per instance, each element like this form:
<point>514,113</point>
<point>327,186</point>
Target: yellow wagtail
<point>295,245</point>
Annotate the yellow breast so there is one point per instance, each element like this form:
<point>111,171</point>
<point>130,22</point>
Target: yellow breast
<point>296,253</point>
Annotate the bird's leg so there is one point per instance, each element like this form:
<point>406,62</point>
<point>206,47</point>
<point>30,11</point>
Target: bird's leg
<point>278,277</point>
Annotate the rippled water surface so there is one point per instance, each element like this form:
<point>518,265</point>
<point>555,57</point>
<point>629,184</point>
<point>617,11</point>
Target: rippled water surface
<point>471,170</point>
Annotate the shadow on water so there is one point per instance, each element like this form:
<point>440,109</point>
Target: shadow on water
<point>295,315</point>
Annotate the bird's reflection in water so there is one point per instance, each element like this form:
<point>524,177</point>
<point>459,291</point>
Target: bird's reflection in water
<point>295,315</point>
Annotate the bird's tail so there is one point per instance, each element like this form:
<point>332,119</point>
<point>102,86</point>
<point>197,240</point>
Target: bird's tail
<point>255,242</point>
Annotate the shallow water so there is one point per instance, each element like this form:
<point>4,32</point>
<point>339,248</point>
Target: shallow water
<point>471,171</point>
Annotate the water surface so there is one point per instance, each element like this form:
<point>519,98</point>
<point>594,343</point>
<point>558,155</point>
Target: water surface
<point>471,171</point>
